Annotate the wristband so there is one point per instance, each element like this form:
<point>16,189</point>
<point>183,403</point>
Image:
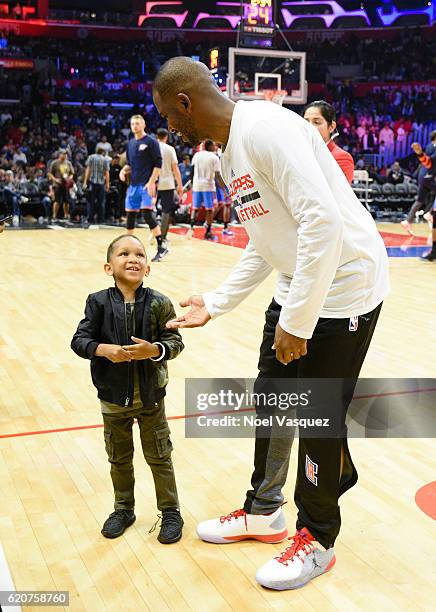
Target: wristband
<point>163,351</point>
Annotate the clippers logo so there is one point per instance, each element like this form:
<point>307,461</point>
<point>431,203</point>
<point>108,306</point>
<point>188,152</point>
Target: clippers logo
<point>243,182</point>
<point>311,471</point>
<point>354,324</point>
<point>247,205</point>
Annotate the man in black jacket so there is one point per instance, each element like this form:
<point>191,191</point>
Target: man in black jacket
<point>124,335</point>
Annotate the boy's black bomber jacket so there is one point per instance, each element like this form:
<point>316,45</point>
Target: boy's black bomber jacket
<point>105,323</point>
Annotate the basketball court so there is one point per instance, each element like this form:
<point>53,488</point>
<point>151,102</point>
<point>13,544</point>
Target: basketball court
<point>55,476</point>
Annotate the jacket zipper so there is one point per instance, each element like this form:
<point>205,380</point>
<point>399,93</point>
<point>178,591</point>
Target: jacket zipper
<point>126,403</point>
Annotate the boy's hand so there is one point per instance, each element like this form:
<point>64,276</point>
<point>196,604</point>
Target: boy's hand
<point>113,352</point>
<point>417,148</point>
<point>142,349</point>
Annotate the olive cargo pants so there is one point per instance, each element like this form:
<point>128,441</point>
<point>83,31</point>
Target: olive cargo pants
<point>156,447</point>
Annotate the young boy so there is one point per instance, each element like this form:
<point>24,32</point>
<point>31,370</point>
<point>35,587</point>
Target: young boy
<point>124,335</point>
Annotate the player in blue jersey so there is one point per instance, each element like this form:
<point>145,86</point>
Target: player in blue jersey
<point>144,161</point>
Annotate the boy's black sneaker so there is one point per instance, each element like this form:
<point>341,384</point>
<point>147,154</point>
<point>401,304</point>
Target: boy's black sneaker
<point>117,523</point>
<point>171,527</point>
<point>430,257</point>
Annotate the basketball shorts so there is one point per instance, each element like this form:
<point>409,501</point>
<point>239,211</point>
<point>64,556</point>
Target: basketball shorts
<point>203,198</point>
<point>61,193</point>
<point>137,198</point>
<point>166,199</point>
<point>220,195</point>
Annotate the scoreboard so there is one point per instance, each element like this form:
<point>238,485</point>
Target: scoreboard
<point>259,18</point>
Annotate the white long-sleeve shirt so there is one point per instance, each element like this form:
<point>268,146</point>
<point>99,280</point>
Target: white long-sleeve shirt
<point>303,220</point>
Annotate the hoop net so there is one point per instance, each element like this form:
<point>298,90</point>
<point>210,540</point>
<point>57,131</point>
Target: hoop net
<point>275,95</point>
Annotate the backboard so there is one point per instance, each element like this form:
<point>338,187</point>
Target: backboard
<point>251,71</point>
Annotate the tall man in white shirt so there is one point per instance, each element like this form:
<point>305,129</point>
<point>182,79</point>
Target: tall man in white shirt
<point>169,175</point>
<point>205,167</point>
<point>304,221</point>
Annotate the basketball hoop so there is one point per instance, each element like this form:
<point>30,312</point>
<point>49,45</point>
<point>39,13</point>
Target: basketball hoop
<point>275,95</point>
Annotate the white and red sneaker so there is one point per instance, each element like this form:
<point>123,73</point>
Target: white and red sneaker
<point>297,565</point>
<point>239,525</point>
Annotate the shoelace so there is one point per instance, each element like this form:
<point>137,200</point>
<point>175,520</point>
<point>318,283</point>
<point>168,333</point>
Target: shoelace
<point>170,517</point>
<point>153,528</point>
<point>234,515</point>
<point>301,543</point>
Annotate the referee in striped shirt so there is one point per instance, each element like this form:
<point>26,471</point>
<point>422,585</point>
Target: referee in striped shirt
<point>97,178</point>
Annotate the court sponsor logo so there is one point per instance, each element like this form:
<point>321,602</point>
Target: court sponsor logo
<point>311,471</point>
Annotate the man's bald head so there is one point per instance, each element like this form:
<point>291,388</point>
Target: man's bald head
<point>187,96</point>
<point>182,75</point>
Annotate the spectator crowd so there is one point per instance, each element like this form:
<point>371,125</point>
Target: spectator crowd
<point>35,132</point>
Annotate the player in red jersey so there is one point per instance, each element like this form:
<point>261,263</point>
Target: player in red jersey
<point>322,115</point>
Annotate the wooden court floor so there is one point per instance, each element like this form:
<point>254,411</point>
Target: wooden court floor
<point>56,489</point>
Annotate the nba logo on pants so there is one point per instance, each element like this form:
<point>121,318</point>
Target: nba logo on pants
<point>354,324</point>
<point>311,471</point>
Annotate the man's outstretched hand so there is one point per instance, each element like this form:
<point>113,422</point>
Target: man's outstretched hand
<point>196,317</point>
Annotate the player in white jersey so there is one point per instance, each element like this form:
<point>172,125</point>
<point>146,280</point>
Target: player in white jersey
<point>304,221</point>
<point>168,177</point>
<point>205,167</point>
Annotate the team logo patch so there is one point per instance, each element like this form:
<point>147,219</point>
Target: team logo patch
<point>238,199</point>
<point>354,324</point>
<point>311,471</point>
<point>142,147</point>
